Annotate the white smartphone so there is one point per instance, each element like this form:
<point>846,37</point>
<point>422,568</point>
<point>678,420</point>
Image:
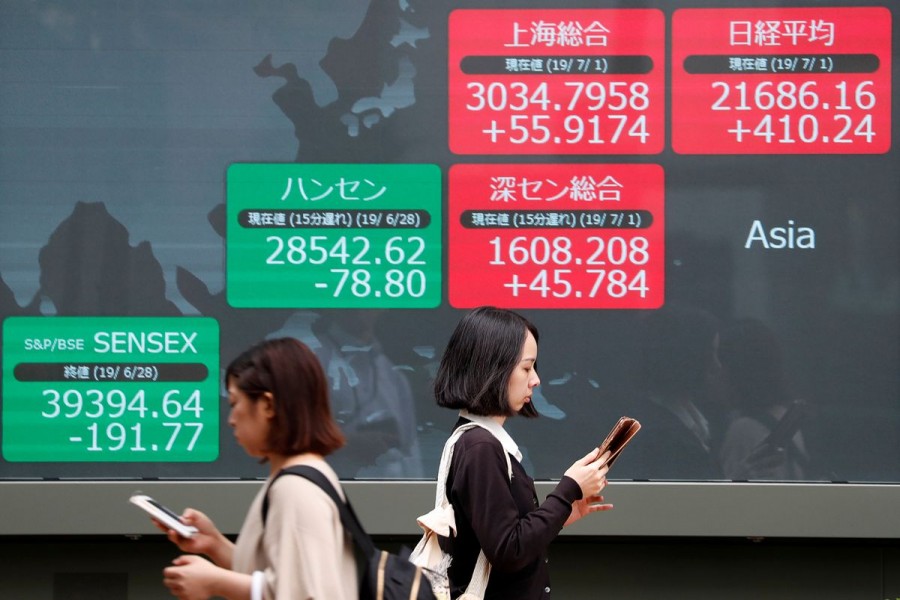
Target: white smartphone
<point>163,514</point>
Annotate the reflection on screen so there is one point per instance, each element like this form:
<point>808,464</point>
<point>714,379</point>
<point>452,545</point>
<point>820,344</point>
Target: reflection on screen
<point>703,226</point>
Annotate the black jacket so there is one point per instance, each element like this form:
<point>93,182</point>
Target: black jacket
<point>503,517</point>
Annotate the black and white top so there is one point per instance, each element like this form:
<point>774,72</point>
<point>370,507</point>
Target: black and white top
<point>501,516</point>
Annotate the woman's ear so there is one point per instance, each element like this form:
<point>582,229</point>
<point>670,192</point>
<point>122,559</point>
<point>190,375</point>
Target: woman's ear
<point>267,404</point>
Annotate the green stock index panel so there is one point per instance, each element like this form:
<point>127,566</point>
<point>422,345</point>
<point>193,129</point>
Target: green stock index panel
<point>334,235</point>
<point>106,389</point>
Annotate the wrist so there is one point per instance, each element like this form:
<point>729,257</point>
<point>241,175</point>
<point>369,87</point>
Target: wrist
<point>234,586</point>
<point>569,489</point>
<point>222,552</point>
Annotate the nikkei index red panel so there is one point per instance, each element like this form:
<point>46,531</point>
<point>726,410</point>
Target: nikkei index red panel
<point>781,80</point>
<point>556,236</point>
<point>575,81</point>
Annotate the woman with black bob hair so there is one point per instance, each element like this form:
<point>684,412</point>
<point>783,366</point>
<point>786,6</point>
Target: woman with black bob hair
<point>488,372</point>
<point>280,414</point>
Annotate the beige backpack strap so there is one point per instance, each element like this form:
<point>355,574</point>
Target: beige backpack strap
<point>482,572</point>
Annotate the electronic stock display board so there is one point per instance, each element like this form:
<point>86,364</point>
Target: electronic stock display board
<point>695,202</point>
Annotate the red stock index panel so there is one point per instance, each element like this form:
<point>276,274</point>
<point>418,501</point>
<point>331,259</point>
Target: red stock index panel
<point>560,81</point>
<point>556,236</point>
<point>781,80</point>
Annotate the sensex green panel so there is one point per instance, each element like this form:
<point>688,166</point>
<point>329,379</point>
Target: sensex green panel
<point>333,235</point>
<point>110,389</point>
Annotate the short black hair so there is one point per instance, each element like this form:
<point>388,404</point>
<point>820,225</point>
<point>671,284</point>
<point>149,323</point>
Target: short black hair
<point>482,352</point>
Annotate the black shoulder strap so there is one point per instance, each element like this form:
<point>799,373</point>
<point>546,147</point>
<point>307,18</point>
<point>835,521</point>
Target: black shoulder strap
<point>348,517</point>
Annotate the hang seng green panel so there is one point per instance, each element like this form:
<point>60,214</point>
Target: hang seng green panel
<point>334,235</point>
<point>110,389</point>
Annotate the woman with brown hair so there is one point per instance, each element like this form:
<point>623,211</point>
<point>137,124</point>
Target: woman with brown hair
<point>280,413</point>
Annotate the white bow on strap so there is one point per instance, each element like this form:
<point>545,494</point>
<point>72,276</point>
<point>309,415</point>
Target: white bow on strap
<point>441,521</point>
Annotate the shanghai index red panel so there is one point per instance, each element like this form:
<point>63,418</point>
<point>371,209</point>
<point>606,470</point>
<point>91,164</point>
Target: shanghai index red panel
<point>811,80</point>
<point>556,81</point>
<point>556,236</point>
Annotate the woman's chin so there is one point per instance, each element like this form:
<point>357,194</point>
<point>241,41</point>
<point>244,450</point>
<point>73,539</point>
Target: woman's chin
<point>528,410</point>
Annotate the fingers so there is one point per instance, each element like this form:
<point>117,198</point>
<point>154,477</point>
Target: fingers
<point>192,516</point>
<point>590,472</point>
<point>174,537</point>
<point>596,503</point>
<point>159,525</point>
<point>182,560</point>
<point>171,581</point>
<point>597,471</point>
<point>600,460</point>
<point>593,483</point>
<point>590,457</point>
<point>594,458</point>
<point>177,577</point>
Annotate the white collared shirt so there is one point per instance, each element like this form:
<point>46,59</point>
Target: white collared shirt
<point>496,429</point>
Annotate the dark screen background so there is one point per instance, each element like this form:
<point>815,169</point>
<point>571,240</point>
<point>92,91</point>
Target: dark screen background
<point>118,121</point>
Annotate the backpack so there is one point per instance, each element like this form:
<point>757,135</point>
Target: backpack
<point>384,576</point>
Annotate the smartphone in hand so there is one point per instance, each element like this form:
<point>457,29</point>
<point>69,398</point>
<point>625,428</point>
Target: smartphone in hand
<point>625,429</point>
<point>163,514</point>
